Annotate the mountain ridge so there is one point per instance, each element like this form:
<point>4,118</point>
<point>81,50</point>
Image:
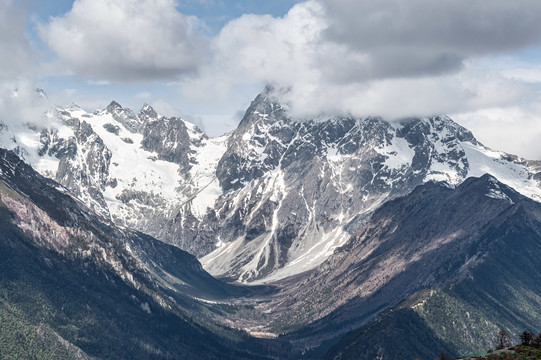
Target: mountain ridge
<point>271,199</point>
<point>449,248</point>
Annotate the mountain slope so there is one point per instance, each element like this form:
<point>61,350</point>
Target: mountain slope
<point>436,238</point>
<point>500,292</point>
<point>67,274</point>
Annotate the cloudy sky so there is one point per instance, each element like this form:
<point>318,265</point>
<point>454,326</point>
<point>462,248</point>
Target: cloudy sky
<point>477,60</point>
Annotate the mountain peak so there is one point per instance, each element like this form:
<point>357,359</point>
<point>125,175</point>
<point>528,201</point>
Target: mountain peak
<point>491,187</point>
<point>42,94</point>
<point>114,106</point>
<point>125,116</point>
<point>266,106</point>
<point>148,111</point>
<point>439,127</point>
<point>74,107</point>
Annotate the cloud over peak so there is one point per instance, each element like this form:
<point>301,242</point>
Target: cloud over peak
<point>332,54</point>
<point>388,57</point>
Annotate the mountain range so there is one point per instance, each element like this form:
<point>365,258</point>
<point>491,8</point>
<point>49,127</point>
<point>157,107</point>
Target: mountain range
<point>348,237</point>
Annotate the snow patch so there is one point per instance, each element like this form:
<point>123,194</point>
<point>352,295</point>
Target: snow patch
<point>204,175</point>
<point>399,154</point>
<point>483,160</point>
<point>499,195</point>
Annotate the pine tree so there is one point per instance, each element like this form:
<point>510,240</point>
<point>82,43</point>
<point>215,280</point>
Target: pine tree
<point>503,340</point>
<point>526,338</point>
<point>536,342</point>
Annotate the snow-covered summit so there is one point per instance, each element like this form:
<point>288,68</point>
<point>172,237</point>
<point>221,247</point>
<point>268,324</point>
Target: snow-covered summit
<point>147,112</point>
<point>140,170</point>
<point>273,198</point>
<point>297,190</point>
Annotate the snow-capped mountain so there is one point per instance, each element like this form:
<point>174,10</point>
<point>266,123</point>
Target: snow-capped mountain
<point>295,191</point>
<point>271,199</point>
<point>140,170</point>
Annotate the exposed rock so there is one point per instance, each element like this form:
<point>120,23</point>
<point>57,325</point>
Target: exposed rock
<point>126,117</point>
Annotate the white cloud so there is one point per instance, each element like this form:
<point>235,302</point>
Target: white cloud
<point>73,95</point>
<point>21,104</point>
<point>526,74</point>
<point>259,49</point>
<point>126,40</point>
<point>392,58</point>
<point>15,49</point>
<point>19,101</point>
<point>381,67</point>
<point>515,130</point>
<point>163,107</point>
<point>143,95</point>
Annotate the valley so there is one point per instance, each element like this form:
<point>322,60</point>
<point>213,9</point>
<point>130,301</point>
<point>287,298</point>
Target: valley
<point>307,235</point>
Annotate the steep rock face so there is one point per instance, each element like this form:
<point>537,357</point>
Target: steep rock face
<point>85,173</point>
<point>126,117</point>
<point>52,144</point>
<point>295,191</point>
<point>169,138</point>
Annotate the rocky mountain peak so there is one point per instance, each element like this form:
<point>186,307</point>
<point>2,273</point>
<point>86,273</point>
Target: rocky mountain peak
<point>125,116</point>
<point>487,185</point>
<point>147,112</point>
<point>42,94</point>
<point>439,127</point>
<point>74,107</point>
<point>287,183</point>
<point>266,107</point>
<point>114,107</point>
